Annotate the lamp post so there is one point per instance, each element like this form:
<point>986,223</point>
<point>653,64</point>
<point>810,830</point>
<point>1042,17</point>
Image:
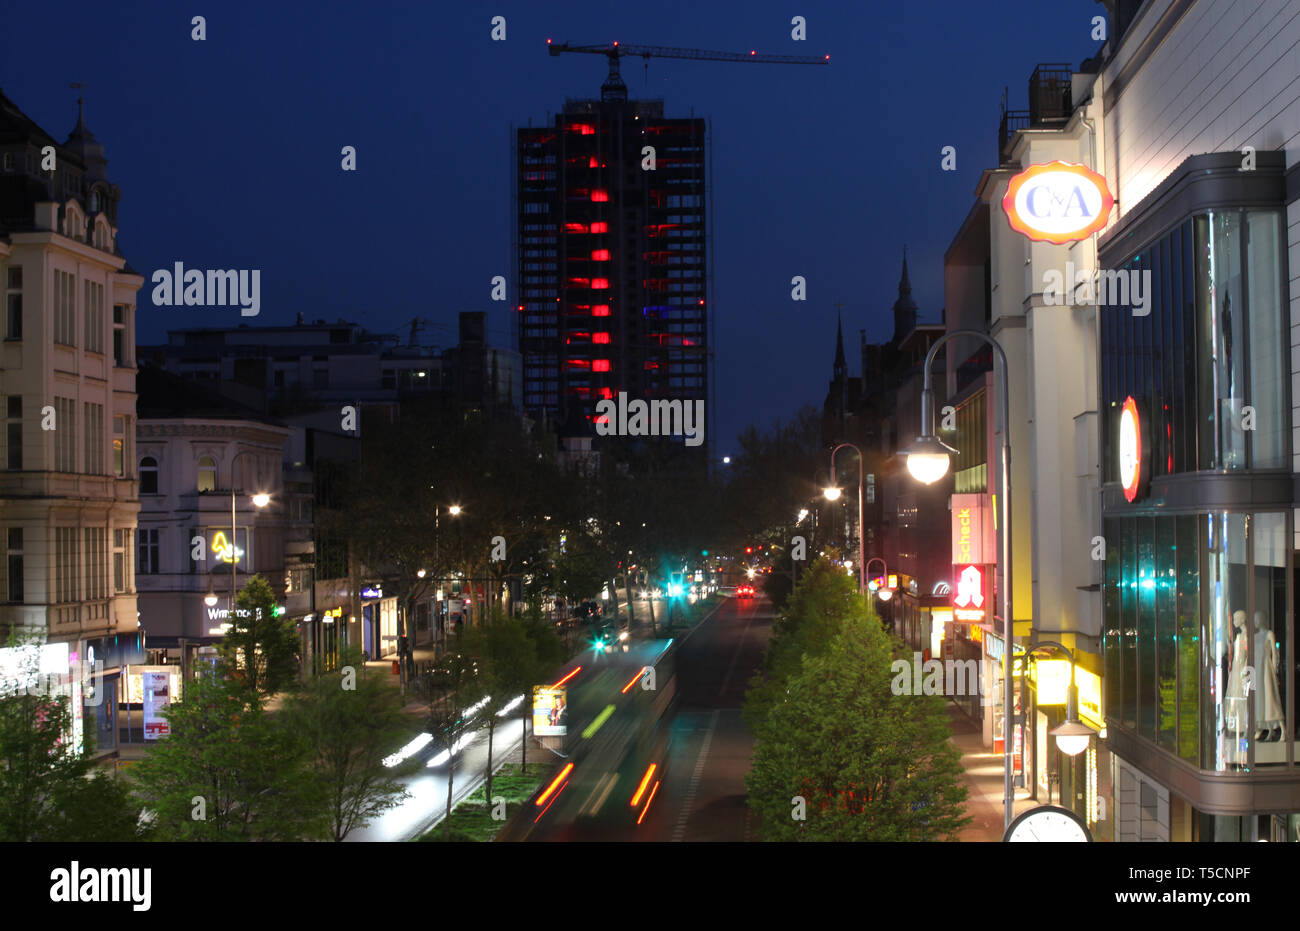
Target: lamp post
<point>261,500</point>
<point>1072,736</point>
<point>928,459</point>
<point>832,493</point>
<point>454,510</point>
<point>884,593</point>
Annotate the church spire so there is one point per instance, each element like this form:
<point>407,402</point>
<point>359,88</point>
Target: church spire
<point>904,308</point>
<point>841,367</point>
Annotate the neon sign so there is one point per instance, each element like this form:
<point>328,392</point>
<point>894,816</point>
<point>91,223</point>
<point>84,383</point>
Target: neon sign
<point>222,547</point>
<point>1057,202</point>
<point>1132,451</point>
<point>968,602</point>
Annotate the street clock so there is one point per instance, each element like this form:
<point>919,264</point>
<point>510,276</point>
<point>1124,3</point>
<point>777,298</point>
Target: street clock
<point>1048,824</point>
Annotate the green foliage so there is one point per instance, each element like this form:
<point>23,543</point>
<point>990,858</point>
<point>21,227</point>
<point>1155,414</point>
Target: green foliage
<point>814,613</point>
<point>350,720</point>
<point>48,792</point>
<point>262,649</point>
<point>247,765</point>
<point>870,765</point>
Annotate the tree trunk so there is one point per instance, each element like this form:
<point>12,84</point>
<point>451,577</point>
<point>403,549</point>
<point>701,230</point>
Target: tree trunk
<point>627,587</point>
<point>523,743</point>
<point>654,625</point>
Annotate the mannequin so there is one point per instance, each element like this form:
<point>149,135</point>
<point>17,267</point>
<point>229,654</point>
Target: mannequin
<point>1234,698</point>
<point>1268,699</point>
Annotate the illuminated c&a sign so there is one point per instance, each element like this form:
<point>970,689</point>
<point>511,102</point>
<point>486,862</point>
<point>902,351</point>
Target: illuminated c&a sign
<point>1057,202</point>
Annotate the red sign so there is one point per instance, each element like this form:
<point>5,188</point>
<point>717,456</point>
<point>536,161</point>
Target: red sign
<point>1133,452</point>
<point>969,595</point>
<point>1057,202</point>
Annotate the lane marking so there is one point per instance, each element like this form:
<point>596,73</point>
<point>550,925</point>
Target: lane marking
<point>679,831</point>
<point>735,656</point>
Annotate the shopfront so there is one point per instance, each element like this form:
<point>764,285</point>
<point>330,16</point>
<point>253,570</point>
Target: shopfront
<point>1197,506</point>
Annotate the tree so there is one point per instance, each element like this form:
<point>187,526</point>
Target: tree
<point>447,718</point>
<point>260,648</point>
<point>230,770</point>
<point>867,764</point>
<point>48,790</point>
<point>350,721</point>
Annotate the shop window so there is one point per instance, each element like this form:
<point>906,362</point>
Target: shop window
<point>15,553</point>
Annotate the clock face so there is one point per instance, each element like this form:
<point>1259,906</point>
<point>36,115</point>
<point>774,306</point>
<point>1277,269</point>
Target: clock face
<point>1048,824</point>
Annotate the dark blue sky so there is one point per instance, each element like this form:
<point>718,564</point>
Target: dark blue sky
<point>227,151</point>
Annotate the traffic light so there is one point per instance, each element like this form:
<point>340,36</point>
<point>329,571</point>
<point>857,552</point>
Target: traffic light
<point>748,550</point>
<point>704,552</point>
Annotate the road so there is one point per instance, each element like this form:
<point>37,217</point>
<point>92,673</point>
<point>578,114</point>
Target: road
<point>700,775</point>
<point>703,797</point>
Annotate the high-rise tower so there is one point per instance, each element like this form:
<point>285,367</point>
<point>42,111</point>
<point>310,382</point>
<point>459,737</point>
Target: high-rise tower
<point>611,277</point>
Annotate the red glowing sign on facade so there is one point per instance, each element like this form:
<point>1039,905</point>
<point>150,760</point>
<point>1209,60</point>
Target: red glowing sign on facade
<point>599,284</point>
<point>968,598</point>
<point>600,365</point>
<point>1134,454</point>
<point>600,310</point>
<point>600,255</point>
<point>600,226</point>
<point>600,195</point>
<point>600,337</point>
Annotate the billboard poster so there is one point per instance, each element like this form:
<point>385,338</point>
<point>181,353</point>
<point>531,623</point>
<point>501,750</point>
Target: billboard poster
<point>550,711</point>
<point>157,696</point>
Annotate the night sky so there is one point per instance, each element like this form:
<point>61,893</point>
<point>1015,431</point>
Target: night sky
<point>228,151</point>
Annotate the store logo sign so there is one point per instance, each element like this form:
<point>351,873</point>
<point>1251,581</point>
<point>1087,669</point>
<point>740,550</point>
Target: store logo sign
<point>1133,451</point>
<point>968,603</point>
<point>1057,202</point>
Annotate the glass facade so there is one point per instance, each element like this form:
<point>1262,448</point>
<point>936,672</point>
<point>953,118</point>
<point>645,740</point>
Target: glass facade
<point>1196,634</point>
<point>1205,354</point>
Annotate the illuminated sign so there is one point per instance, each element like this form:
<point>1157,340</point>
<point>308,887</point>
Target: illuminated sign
<point>893,581</point>
<point>1089,686</point>
<point>372,591</point>
<point>1051,678</point>
<point>968,602</point>
<point>222,547</point>
<point>1133,451</point>
<point>157,696</point>
<point>972,530</point>
<point>1057,202</point>
<point>550,711</point>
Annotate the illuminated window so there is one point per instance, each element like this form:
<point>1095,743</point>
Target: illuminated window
<point>576,227</point>
<point>600,255</point>
<point>207,474</point>
<point>599,195</point>
<point>599,284</point>
<point>600,365</point>
<point>600,226</point>
<point>600,310</point>
<point>600,337</point>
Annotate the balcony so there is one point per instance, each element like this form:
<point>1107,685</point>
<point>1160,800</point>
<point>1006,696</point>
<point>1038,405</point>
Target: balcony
<point>1051,101</point>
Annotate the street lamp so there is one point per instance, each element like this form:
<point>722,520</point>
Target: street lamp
<point>928,459</point>
<point>884,592</point>
<point>260,500</point>
<point>832,493</point>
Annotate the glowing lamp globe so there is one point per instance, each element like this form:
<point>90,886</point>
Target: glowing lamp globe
<point>928,459</point>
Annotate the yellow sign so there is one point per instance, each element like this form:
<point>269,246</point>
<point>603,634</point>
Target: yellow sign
<point>1089,684</point>
<point>221,546</point>
<point>1052,679</point>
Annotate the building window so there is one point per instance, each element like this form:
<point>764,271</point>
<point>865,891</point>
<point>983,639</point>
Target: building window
<point>96,565</point>
<point>16,564</point>
<point>66,564</point>
<point>65,435</point>
<point>120,341</point>
<point>14,433</point>
<point>207,474</point>
<point>148,476</point>
<point>94,447</point>
<point>121,455</point>
<point>121,546</point>
<point>65,309</point>
<point>9,161</point>
<point>148,563</point>
<point>14,303</point>
<point>94,301</point>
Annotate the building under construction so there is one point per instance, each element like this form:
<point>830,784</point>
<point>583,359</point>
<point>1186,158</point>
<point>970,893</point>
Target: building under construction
<point>611,255</point>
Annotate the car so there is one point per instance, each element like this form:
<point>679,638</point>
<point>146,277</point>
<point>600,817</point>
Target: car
<point>744,591</point>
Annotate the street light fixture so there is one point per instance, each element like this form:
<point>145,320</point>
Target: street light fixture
<point>862,531</point>
<point>928,459</point>
<point>260,500</point>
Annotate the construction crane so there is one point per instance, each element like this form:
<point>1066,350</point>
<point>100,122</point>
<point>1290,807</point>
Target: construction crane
<point>614,88</point>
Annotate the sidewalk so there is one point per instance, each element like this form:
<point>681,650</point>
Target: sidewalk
<point>984,779</point>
